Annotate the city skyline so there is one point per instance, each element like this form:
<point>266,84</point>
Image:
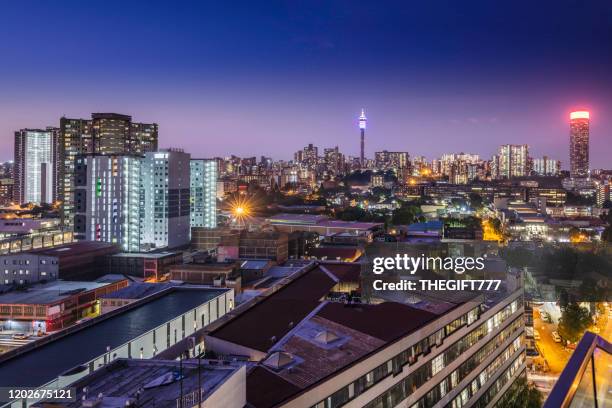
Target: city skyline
<point>433,80</point>
<point>534,153</point>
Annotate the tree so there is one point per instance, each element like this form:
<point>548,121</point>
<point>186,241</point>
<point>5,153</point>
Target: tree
<point>606,235</point>
<point>406,214</point>
<point>574,321</point>
<point>564,299</point>
<point>521,394</point>
<point>475,201</point>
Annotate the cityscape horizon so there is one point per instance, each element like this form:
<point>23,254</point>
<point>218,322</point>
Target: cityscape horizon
<point>311,204</point>
<point>564,163</point>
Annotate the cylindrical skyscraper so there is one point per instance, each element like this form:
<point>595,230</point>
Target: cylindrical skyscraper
<point>362,126</point>
<point>579,144</point>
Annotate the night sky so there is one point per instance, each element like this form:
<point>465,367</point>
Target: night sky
<point>225,78</point>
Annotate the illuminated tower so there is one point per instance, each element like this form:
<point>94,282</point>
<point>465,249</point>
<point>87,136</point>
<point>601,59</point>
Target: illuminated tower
<point>579,144</point>
<point>362,126</point>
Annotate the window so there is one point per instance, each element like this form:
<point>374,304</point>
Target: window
<point>437,364</point>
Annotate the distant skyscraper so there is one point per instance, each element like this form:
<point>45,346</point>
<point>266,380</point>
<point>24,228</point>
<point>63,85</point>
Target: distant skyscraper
<point>104,133</point>
<point>512,161</point>
<point>35,170</point>
<point>333,159</point>
<point>7,182</point>
<point>203,206</point>
<point>308,156</point>
<point>107,200</point>
<point>166,182</point>
<point>546,166</point>
<point>579,144</point>
<point>391,160</point>
<point>362,126</point>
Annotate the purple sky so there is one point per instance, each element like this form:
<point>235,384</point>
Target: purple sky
<point>223,81</point>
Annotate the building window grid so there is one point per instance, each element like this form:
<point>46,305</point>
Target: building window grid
<point>410,384</point>
<point>423,347</point>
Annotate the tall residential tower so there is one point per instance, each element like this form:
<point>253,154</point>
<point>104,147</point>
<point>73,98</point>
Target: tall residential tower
<point>579,144</point>
<point>36,172</point>
<point>105,134</point>
<point>203,203</point>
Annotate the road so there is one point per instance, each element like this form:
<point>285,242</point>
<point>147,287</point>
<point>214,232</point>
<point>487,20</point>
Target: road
<point>555,355</point>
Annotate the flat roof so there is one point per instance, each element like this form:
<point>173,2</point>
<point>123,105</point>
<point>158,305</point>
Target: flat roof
<point>72,248</point>
<point>125,377</point>
<point>254,264</point>
<point>138,290</point>
<point>43,364</point>
<point>320,221</point>
<point>54,291</point>
<point>147,255</point>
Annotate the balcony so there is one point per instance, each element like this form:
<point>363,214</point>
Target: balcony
<point>585,381</point>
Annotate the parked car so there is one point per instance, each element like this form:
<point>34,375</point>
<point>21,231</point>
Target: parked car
<point>20,336</point>
<point>536,334</point>
<point>556,337</point>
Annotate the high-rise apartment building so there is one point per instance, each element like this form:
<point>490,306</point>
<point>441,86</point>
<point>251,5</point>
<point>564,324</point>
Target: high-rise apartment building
<point>512,161</point>
<point>579,144</point>
<point>7,169</point>
<point>35,169</point>
<point>7,182</point>
<point>546,166</point>
<point>333,159</point>
<point>165,178</point>
<point>448,160</point>
<point>104,133</point>
<point>203,203</point>
<point>107,199</point>
<point>603,192</point>
<point>391,160</point>
<point>140,203</point>
<point>307,156</point>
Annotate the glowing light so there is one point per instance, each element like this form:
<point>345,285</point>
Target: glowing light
<point>240,208</point>
<point>362,120</point>
<point>579,115</point>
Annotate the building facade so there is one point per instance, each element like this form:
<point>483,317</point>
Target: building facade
<point>203,202</point>
<point>165,217</point>
<point>512,161</point>
<point>579,144</point>
<point>546,166</point>
<point>107,197</point>
<point>105,134</point>
<point>35,171</point>
<point>391,160</point>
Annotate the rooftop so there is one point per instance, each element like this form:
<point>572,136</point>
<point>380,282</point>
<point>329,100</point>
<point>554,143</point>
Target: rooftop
<point>55,291</point>
<point>151,382</point>
<point>147,255</point>
<point>254,264</point>
<point>73,248</point>
<point>319,220</point>
<point>138,290</point>
<point>331,339</point>
<point>41,365</point>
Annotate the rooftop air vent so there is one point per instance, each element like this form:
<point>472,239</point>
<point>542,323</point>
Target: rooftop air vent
<point>278,360</point>
<point>326,337</point>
